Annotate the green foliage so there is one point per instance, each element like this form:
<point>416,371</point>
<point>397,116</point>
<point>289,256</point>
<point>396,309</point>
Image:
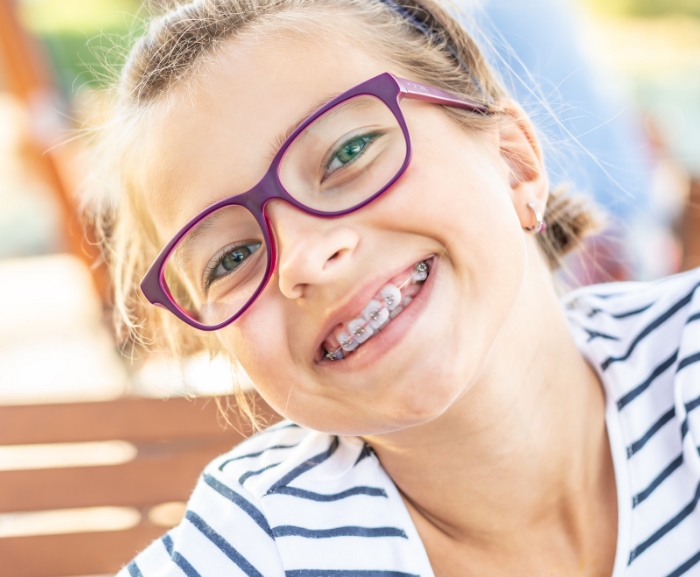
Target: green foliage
<point>647,8</point>
<point>86,40</point>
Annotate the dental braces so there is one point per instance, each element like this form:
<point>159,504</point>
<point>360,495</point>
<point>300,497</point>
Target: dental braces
<point>419,275</point>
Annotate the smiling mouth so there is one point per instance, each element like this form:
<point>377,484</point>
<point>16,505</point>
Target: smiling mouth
<point>380,311</point>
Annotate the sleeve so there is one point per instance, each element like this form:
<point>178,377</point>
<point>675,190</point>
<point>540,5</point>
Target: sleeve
<point>224,532</point>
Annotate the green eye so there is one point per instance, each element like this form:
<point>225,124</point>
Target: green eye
<point>234,258</point>
<point>229,261</point>
<point>350,151</point>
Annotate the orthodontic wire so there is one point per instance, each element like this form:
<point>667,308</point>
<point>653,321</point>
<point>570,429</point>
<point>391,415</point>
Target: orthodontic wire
<point>331,355</point>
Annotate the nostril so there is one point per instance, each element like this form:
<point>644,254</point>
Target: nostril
<point>334,255</point>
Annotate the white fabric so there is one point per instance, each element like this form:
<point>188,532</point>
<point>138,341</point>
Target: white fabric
<point>298,503</point>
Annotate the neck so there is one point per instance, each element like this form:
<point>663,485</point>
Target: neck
<point>523,454</point>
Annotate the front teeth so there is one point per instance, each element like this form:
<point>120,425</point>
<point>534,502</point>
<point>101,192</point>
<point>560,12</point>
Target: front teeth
<point>395,312</point>
<point>375,314</point>
<point>360,330</point>
<point>347,342</point>
<point>391,296</point>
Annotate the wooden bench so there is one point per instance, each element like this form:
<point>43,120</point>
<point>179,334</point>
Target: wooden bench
<point>174,439</point>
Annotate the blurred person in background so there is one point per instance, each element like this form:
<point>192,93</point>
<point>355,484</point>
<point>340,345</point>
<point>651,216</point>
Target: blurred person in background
<point>373,244</point>
<point>593,132</point>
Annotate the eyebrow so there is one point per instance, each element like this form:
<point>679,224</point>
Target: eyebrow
<point>282,137</point>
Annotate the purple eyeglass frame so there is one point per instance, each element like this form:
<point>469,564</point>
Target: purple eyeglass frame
<point>390,90</point>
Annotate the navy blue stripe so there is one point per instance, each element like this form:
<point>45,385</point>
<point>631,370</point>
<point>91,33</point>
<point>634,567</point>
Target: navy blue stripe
<point>305,466</point>
<point>178,559</point>
<point>292,531</point>
<point>639,443</point>
<point>595,334</point>
<point>245,476</point>
<point>367,451</point>
<point>694,358</point>
<point>687,510</point>
<point>692,318</point>
<point>168,542</point>
<point>595,311</point>
<point>345,573</point>
<point>184,564</point>
<point>630,313</point>
<point>253,512</point>
<point>610,295</point>
<point>303,494</point>
<point>689,564</point>
<point>251,455</point>
<point>134,570</point>
<point>651,327</point>
<point>639,389</point>
<point>224,546</point>
<point>694,404</point>
<point>643,495</point>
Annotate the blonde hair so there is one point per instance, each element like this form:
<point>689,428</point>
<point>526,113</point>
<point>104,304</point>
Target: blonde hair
<point>438,52</point>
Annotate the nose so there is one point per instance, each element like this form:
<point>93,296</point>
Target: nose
<point>311,250</point>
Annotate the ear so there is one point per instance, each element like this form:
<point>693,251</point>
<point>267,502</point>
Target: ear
<point>522,154</point>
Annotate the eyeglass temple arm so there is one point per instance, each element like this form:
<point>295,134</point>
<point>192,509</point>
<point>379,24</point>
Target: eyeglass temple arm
<point>419,91</point>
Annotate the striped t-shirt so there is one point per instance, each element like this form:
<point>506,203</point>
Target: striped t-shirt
<point>298,503</point>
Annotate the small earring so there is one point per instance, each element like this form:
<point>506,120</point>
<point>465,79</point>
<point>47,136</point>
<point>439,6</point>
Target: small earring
<point>540,224</point>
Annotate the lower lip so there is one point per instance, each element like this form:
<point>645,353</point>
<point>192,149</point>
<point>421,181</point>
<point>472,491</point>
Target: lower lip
<point>380,344</point>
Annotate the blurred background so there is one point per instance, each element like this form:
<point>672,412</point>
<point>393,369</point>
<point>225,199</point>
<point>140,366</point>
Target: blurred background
<point>613,85</point>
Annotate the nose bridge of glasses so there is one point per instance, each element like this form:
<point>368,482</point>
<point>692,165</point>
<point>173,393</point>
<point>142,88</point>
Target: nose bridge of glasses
<point>257,202</point>
<point>267,189</point>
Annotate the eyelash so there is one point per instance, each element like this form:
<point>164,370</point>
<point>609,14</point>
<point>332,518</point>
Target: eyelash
<point>371,137</point>
<point>211,269</point>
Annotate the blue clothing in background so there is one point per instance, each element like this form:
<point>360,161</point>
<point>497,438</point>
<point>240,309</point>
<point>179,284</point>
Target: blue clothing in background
<point>541,56</point>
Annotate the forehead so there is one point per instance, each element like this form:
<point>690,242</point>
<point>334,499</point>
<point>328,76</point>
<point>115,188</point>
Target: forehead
<point>216,136</point>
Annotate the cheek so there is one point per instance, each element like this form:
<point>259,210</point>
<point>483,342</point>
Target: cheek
<point>261,342</point>
<point>453,201</point>
<point>258,342</point>
<point>471,214</point>
<point>464,197</point>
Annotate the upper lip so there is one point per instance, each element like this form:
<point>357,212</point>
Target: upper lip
<point>354,304</point>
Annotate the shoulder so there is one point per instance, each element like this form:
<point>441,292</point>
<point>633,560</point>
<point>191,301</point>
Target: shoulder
<point>643,339</point>
<point>228,527</point>
<point>624,322</point>
<point>225,530</point>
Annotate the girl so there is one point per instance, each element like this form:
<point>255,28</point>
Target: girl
<point>339,195</point>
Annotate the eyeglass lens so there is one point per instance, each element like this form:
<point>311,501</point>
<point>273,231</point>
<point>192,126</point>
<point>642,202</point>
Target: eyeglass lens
<point>339,161</point>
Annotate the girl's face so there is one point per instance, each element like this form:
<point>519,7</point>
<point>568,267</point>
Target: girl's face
<point>454,206</point>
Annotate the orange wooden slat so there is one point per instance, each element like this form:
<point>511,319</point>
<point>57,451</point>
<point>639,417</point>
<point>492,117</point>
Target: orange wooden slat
<point>163,476</point>
<point>136,420</point>
<point>26,71</point>
<point>73,554</point>
<point>690,227</point>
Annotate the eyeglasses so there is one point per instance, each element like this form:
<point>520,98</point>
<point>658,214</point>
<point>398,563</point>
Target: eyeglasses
<point>341,158</point>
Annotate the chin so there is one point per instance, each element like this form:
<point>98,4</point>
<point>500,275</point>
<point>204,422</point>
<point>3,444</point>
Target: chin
<point>418,403</point>
<point>427,401</point>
